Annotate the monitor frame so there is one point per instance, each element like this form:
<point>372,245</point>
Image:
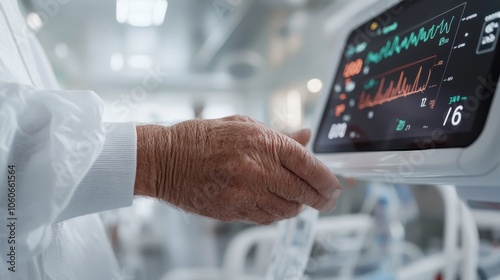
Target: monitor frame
<point>477,164</point>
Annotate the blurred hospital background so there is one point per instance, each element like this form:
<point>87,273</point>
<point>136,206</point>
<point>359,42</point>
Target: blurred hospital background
<point>165,61</point>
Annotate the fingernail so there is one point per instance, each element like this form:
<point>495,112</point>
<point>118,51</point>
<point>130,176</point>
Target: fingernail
<point>336,193</point>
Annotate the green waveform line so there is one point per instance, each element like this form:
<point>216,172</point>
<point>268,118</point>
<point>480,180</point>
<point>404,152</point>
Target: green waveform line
<point>397,45</point>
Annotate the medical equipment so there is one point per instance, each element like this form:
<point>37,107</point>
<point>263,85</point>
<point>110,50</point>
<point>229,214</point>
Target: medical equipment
<point>389,233</point>
<point>412,100</point>
<point>236,258</point>
<point>293,246</point>
<point>345,247</point>
<point>412,96</point>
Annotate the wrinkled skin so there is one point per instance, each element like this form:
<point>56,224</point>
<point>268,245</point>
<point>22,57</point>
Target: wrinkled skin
<point>232,169</point>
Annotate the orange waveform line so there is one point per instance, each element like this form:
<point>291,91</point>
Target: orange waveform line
<point>404,67</point>
<point>393,92</point>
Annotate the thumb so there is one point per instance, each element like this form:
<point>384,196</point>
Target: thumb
<point>302,136</point>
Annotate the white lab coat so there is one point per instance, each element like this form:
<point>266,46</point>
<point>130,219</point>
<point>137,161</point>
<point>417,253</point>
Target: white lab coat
<point>67,164</point>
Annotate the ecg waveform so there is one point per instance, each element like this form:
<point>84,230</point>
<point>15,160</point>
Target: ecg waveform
<point>398,83</point>
<point>398,44</point>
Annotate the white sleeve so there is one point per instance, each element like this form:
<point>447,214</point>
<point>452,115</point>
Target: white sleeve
<point>57,161</point>
<point>109,184</point>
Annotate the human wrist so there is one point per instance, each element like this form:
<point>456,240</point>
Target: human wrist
<point>151,144</point>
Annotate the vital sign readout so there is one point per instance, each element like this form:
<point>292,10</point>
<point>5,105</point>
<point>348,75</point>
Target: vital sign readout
<point>423,72</point>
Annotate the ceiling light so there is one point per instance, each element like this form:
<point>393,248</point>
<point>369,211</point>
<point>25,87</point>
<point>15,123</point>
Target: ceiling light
<point>34,21</point>
<point>140,19</point>
<point>314,85</point>
<point>141,13</point>
<point>121,10</point>
<point>159,12</point>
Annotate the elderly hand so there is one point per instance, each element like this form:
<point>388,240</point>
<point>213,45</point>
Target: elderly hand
<point>232,169</point>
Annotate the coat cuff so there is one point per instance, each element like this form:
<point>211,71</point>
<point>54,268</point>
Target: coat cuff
<point>109,184</point>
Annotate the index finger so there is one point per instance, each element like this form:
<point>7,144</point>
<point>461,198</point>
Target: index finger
<point>302,163</point>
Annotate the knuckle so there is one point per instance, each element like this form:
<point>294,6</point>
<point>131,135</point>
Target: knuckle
<point>248,119</point>
<point>310,165</point>
<point>300,187</point>
<point>238,117</point>
<point>232,118</point>
<point>283,141</point>
<point>251,137</point>
<point>306,195</point>
<point>289,187</point>
<point>241,118</point>
<point>261,136</point>
<point>321,203</point>
<point>273,188</point>
<point>296,154</point>
<point>315,201</point>
<point>286,187</point>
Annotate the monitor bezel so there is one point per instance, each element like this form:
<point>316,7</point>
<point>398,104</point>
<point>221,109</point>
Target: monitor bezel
<point>452,140</point>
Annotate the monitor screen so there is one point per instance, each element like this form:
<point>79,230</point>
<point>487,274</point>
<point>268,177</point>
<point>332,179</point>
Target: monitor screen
<point>421,75</point>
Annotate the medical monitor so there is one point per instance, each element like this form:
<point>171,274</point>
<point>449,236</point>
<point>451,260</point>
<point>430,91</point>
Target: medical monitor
<point>413,94</point>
